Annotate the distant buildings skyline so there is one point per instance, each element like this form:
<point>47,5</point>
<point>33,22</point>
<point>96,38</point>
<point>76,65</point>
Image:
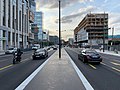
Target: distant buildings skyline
<point>73,11</point>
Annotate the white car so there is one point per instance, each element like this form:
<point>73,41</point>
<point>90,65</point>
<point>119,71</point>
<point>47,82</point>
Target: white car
<point>11,50</point>
<point>34,47</point>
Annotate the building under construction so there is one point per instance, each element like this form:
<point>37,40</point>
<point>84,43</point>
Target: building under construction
<point>92,30</point>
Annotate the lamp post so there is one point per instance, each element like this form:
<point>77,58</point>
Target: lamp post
<point>104,34</point>
<point>15,32</point>
<point>22,23</point>
<point>59,29</point>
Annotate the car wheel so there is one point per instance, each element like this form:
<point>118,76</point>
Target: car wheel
<point>98,63</point>
<point>84,60</point>
<point>33,58</point>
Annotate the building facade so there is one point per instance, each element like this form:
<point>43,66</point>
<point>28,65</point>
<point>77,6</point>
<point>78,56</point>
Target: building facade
<point>14,23</point>
<point>32,10</point>
<point>92,30</point>
<point>46,35</point>
<point>54,39</point>
<point>71,41</point>
<point>34,30</point>
<point>39,22</point>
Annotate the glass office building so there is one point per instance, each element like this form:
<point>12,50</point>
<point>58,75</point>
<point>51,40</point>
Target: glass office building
<point>38,21</point>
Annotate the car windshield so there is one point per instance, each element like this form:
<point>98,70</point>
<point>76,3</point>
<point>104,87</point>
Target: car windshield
<point>10,48</point>
<point>40,50</point>
<point>91,52</point>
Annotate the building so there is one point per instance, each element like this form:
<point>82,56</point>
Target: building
<point>34,29</point>
<point>54,39</point>
<point>32,9</point>
<point>39,22</point>
<point>114,39</point>
<point>92,30</point>
<point>46,35</point>
<point>14,23</point>
<point>70,41</point>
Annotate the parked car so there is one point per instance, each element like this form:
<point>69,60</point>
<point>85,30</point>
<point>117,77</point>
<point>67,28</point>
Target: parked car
<point>40,53</point>
<point>10,50</point>
<point>89,55</point>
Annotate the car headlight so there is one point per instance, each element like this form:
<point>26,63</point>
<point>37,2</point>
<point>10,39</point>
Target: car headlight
<point>43,53</point>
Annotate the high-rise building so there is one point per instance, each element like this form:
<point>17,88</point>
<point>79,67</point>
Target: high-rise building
<point>34,30</point>
<point>14,23</point>
<point>46,35</point>
<point>39,22</point>
<point>54,39</point>
<point>32,10</point>
<point>92,30</point>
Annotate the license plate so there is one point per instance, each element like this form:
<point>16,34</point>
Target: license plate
<point>94,56</point>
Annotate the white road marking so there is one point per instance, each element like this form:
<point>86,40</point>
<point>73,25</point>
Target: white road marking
<point>81,76</point>
<point>117,64</point>
<point>92,66</point>
<point>116,69</point>
<point>103,63</point>
<point>26,81</point>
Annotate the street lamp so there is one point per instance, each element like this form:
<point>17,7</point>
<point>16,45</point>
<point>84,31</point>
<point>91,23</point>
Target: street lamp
<point>59,29</point>
<point>15,32</point>
<point>104,34</point>
<point>22,22</point>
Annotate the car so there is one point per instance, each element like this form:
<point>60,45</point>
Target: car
<point>10,50</point>
<point>54,48</point>
<point>40,53</point>
<point>34,47</point>
<point>89,55</point>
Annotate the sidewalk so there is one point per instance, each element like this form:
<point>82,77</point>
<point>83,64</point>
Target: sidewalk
<point>108,52</point>
<point>2,52</point>
<point>55,74</point>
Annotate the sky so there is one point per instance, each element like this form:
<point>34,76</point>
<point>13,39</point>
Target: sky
<point>73,11</point>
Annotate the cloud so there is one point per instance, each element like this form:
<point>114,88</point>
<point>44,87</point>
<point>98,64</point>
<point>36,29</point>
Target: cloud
<point>70,18</point>
<point>105,1</point>
<point>51,4</point>
<point>114,19</point>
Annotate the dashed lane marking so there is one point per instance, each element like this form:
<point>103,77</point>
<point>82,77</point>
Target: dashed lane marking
<point>117,64</point>
<point>103,63</point>
<point>6,67</point>
<point>92,66</point>
<point>116,69</point>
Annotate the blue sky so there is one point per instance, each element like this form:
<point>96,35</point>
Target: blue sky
<point>73,11</point>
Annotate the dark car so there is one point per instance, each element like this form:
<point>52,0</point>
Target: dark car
<point>89,56</point>
<point>54,48</point>
<point>40,53</point>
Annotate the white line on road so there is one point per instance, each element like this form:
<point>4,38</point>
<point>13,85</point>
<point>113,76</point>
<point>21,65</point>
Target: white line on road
<point>26,81</point>
<point>81,76</point>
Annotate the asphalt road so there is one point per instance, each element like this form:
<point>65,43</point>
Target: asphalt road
<point>105,76</point>
<point>12,75</point>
